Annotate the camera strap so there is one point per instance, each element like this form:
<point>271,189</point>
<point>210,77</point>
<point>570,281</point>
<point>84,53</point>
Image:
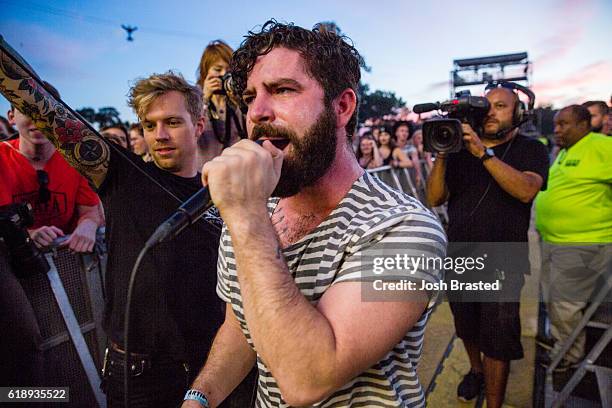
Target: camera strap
<point>230,117</point>
<point>490,183</point>
<point>240,127</point>
<point>510,129</point>
<point>513,128</point>
<point>484,194</point>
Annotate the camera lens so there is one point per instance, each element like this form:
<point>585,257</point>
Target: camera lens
<point>444,138</point>
<point>446,134</point>
<point>442,135</point>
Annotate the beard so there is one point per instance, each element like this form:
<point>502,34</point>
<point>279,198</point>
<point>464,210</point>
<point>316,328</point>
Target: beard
<point>309,157</point>
<point>502,131</point>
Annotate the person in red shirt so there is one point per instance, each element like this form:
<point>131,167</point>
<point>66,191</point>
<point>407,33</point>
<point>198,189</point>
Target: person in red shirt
<point>32,171</point>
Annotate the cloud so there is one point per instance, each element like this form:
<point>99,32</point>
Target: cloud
<point>435,86</point>
<point>426,93</point>
<point>573,17</point>
<point>575,86</point>
<point>595,73</point>
<point>52,54</point>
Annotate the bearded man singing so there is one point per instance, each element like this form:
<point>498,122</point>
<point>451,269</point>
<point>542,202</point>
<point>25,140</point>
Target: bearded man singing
<point>300,218</point>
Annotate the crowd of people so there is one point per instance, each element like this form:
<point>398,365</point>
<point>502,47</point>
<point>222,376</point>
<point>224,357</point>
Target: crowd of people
<point>380,144</point>
<point>261,300</point>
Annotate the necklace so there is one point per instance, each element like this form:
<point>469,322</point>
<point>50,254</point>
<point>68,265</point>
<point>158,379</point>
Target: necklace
<point>34,158</point>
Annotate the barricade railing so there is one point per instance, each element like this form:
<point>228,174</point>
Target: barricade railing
<point>603,374</point>
<point>68,304</point>
<point>404,180</point>
<point>397,178</point>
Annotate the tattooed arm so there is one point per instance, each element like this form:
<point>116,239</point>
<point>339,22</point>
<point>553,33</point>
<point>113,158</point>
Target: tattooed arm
<point>80,145</point>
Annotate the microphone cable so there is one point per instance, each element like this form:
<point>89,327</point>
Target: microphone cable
<point>126,324</point>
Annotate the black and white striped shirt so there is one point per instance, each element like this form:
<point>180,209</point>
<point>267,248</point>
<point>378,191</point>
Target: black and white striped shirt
<point>371,218</point>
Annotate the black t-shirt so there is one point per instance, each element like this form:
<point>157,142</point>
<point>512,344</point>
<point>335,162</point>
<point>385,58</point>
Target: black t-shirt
<point>499,217</point>
<point>175,309</point>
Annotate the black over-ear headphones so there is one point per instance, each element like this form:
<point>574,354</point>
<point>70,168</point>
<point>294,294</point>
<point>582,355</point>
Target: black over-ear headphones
<point>520,112</point>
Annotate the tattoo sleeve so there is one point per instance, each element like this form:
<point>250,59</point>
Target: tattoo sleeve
<point>78,142</point>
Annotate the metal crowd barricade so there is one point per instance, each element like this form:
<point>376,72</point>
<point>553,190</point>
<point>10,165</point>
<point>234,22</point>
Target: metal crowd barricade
<point>591,318</point>
<point>400,179</point>
<point>68,304</point>
<point>404,180</point>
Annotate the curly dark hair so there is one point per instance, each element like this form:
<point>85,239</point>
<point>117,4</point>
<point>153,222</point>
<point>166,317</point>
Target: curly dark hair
<point>401,123</point>
<point>329,58</point>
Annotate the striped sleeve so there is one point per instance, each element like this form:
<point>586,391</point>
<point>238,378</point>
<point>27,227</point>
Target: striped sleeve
<point>223,290</point>
<point>401,246</point>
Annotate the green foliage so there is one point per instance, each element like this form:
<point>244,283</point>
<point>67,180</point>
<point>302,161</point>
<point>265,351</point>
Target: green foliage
<point>104,117</point>
<point>89,114</point>
<point>373,104</point>
<point>332,26</point>
<point>108,116</point>
<point>378,103</point>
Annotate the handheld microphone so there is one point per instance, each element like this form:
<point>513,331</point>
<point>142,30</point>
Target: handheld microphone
<point>191,210</point>
<point>187,214</point>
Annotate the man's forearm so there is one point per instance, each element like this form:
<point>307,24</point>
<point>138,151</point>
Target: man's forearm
<point>281,320</point>
<point>437,192</point>
<point>229,361</point>
<point>518,184</point>
<point>92,213</point>
<point>402,159</point>
<point>79,145</point>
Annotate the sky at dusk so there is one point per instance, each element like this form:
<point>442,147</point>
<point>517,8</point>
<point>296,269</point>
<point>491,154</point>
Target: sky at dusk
<point>80,48</point>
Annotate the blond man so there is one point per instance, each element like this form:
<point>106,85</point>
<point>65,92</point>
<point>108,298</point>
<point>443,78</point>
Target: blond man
<point>175,311</point>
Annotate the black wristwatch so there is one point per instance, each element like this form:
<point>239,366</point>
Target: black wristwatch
<point>488,153</point>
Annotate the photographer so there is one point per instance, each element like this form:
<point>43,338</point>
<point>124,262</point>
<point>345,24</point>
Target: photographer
<point>224,124</point>
<point>489,186</point>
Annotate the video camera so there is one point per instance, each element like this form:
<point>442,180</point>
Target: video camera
<point>444,135</point>
<point>26,259</point>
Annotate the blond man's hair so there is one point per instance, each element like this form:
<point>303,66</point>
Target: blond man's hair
<point>146,90</point>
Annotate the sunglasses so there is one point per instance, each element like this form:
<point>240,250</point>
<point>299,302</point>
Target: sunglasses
<point>44,195</point>
<point>500,84</point>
